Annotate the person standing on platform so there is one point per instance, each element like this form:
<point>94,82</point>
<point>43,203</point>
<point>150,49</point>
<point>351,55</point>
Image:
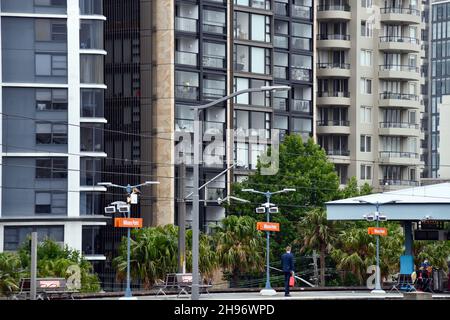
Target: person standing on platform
<point>287,262</point>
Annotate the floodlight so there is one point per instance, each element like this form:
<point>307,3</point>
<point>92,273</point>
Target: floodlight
<point>260,210</point>
<point>273,210</point>
<point>110,209</point>
<point>382,218</point>
<point>123,208</point>
<point>369,217</point>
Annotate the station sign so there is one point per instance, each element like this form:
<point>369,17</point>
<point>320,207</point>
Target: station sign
<point>268,226</point>
<point>377,231</point>
<point>128,222</point>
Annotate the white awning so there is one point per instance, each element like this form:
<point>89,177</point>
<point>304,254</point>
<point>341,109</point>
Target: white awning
<point>413,204</point>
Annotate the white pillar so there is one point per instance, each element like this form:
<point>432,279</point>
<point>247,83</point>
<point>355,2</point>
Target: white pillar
<point>73,77</point>
<point>2,237</point>
<point>73,235</point>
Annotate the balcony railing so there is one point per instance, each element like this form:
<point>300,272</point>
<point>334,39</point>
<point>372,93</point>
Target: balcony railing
<point>186,92</point>
<point>187,58</point>
<point>333,37</point>
<point>299,43</point>
<point>341,94</point>
<point>333,65</point>
<point>214,193</point>
<point>213,61</point>
<point>302,12</point>
<point>399,67</point>
<point>280,9</point>
<point>281,42</point>
<point>301,74</point>
<point>332,7</point>
<point>397,182</point>
<point>338,152</point>
<point>399,96</point>
<point>213,93</point>
<point>213,27</point>
<point>398,154</point>
<point>333,123</point>
<point>185,24</point>
<point>280,104</point>
<point>402,125</point>
<point>411,11</point>
<point>280,72</point>
<point>399,39</point>
<point>301,106</point>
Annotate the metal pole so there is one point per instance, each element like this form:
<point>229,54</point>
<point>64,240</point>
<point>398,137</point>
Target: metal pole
<point>268,286</point>
<point>377,285</point>
<point>128,289</point>
<point>33,265</point>
<point>195,208</point>
<point>182,219</point>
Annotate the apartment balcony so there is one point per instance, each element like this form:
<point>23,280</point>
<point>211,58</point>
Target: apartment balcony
<point>394,184</point>
<point>281,42</point>
<point>399,100</point>
<point>333,69</point>
<point>333,127</point>
<point>186,58</point>
<point>399,72</point>
<point>301,74</point>
<point>333,41</point>
<point>186,24</point>
<point>211,61</point>
<point>334,12</point>
<point>298,105</point>
<point>399,158</point>
<point>399,129</point>
<point>301,12</point>
<point>400,15</point>
<point>336,98</point>
<point>339,156</point>
<point>186,92</point>
<point>399,44</point>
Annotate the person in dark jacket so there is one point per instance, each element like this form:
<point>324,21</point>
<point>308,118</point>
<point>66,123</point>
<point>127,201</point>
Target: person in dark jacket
<point>287,262</point>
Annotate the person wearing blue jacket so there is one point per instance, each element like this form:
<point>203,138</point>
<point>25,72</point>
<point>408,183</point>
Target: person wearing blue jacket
<point>287,262</point>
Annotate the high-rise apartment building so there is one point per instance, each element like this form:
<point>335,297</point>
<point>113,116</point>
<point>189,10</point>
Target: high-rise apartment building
<point>438,79</point>
<point>368,102</point>
<point>52,122</point>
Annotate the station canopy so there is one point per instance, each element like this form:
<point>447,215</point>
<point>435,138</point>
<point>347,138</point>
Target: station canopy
<point>431,202</point>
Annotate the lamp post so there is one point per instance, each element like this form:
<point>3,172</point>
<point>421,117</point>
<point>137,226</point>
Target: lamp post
<point>126,208</point>
<point>268,291</point>
<point>195,196</point>
<point>377,217</point>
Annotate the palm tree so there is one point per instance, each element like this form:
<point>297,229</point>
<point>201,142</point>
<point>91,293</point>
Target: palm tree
<point>239,246</point>
<point>10,272</point>
<point>317,233</point>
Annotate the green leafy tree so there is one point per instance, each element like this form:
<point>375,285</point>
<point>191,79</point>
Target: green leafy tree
<point>437,253</point>
<point>10,272</point>
<point>54,260</point>
<point>303,166</point>
<point>239,246</point>
<point>318,234</point>
<point>154,253</point>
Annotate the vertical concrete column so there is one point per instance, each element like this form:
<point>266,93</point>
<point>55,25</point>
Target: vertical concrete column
<point>163,46</point>
<point>73,235</point>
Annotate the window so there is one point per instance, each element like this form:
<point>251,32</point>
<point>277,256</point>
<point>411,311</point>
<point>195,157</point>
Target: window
<point>255,98</point>
<point>366,86</point>
<point>366,172</point>
<point>366,29</point>
<point>91,68</point>
<point>50,30</point>
<point>92,103</point>
<point>366,3</point>
<point>253,27</point>
<point>301,67</point>
<point>91,240</point>
<point>366,143</point>
<point>90,171</point>
<point>214,21</point>
<point>91,137</point>
<point>91,34</point>
<point>366,58</point>
<point>186,85</point>
<point>258,4</point>
<point>14,237</point>
<point>301,125</point>
<point>51,168</point>
<point>91,204</point>
<point>50,202</point>
<point>50,64</point>
<point>214,54</point>
<point>51,133</point>
<point>365,114</point>
<point>51,99</point>
<point>303,36</point>
<point>91,6</point>
<point>252,59</point>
